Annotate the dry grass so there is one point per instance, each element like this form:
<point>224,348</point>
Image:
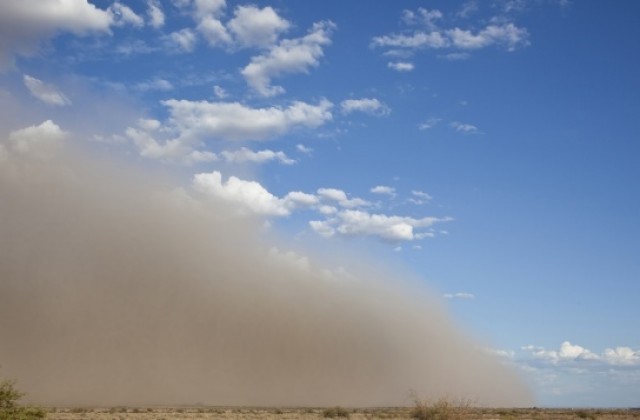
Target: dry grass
<point>447,411</point>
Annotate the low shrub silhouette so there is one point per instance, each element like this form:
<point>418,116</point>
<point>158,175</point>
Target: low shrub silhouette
<point>9,407</point>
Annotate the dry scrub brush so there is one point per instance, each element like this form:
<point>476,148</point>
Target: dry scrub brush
<point>9,408</point>
<point>440,409</point>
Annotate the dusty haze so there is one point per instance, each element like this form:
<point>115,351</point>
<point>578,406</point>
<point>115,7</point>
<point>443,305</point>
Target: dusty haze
<point>113,292</point>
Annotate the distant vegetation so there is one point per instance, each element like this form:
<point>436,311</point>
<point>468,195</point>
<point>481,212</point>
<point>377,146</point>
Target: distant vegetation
<point>441,409</point>
<point>334,412</point>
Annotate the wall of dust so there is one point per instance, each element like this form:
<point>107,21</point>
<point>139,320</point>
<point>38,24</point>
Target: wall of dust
<point>114,293</point>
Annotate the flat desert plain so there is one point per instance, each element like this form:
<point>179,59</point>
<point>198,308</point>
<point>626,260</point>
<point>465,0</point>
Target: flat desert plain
<point>122,413</point>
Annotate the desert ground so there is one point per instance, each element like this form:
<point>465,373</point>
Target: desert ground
<point>155,413</point>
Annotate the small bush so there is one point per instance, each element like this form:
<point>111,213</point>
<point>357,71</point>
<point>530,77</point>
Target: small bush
<point>442,409</point>
<point>334,412</point>
<point>9,408</point>
<point>583,414</point>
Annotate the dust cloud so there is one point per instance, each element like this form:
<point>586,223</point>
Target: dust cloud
<point>118,289</point>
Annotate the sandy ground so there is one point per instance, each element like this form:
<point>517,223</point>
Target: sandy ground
<point>318,413</point>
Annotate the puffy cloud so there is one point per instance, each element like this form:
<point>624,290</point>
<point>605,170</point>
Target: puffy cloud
<point>322,228</point>
<point>416,40</point>
<point>340,197</point>
<point>135,46</point>
<point>206,13</point>
<point>456,56</point>
<point>288,56</point>
<point>401,66</point>
<point>214,31</point>
<point>291,259</point>
<point>149,124</point>
<point>567,352</point>
<point>250,26</point>
<point>333,194</point>
<point>171,150</point>
<point>465,128</point>
<point>191,124</point>
<point>154,84</point>
<point>459,295</point>
<point>304,149</point>
<point>370,106</point>
<point>47,93</point>
<point>123,15</point>
<point>382,189</point>
<point>25,23</point>
<point>204,8</point>
<point>622,356</point>
<point>183,40</point>
<point>429,123</point>
<point>327,210</point>
<point>501,353</point>
<point>422,17</point>
<point>234,121</point>
<point>219,92</point>
<point>361,223</point>
<point>155,14</point>
<point>246,155</point>
<point>37,141</point>
<point>255,27</point>
<point>249,195</point>
<point>507,35</point>
<point>419,197</point>
<point>296,199</point>
<point>144,137</point>
<point>468,9</point>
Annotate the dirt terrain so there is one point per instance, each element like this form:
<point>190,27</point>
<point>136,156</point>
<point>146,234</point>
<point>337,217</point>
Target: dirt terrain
<point>140,413</point>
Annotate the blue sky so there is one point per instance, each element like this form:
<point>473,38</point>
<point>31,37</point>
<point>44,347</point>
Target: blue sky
<point>488,147</point>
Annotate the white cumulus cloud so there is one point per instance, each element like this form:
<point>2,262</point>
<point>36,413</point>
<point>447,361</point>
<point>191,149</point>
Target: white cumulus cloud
<point>46,92</point>
<point>25,23</point>
<point>422,16</point>
<point>507,35</point>
<point>244,154</point>
<point>429,123</point>
<point>234,121</point>
<point>157,84</point>
<point>360,223</point>
<point>192,124</point>
<point>37,141</point>
<point>622,356</point>
<point>401,66</point>
<point>155,14</point>
<point>459,295</point>
<point>220,92</point>
<point>383,189</point>
<point>430,34</point>
<point>419,197</point>
<point>214,31</point>
<point>296,55</point>
<point>369,106</point>
<point>567,352</point>
<point>340,197</point>
<point>304,149</point>
<point>465,128</point>
<point>255,27</point>
<point>123,15</point>
<point>414,41</point>
<point>183,40</point>
<point>248,195</point>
